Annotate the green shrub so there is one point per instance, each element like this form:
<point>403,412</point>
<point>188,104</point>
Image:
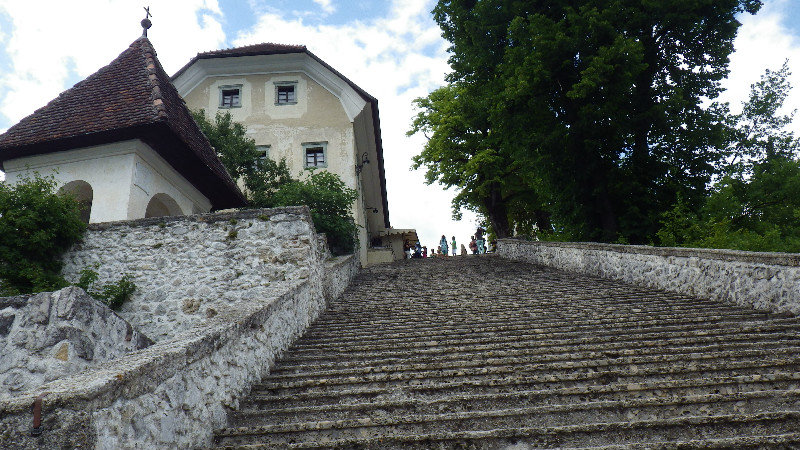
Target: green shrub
<point>329,200</point>
<point>36,227</point>
<point>115,294</point>
<point>112,294</point>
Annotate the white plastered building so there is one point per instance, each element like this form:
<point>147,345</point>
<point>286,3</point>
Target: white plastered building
<point>298,108</point>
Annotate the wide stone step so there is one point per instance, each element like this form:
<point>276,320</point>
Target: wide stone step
<point>532,358</point>
<point>553,362</point>
<point>519,303</point>
<point>548,412</point>
<point>446,328</point>
<point>533,352</point>
<point>586,343</point>
<point>773,441</point>
<point>460,395</point>
<point>491,429</point>
<point>539,376</point>
<point>437,317</point>
<point>657,333</point>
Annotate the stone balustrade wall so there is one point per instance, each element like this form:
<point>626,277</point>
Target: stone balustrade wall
<point>767,281</point>
<point>222,295</point>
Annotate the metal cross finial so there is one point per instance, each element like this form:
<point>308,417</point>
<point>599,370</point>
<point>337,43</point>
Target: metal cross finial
<point>146,21</point>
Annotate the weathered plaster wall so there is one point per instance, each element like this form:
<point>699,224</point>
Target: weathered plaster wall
<point>124,176</point>
<point>769,281</point>
<point>318,116</point>
<point>50,335</point>
<point>174,393</point>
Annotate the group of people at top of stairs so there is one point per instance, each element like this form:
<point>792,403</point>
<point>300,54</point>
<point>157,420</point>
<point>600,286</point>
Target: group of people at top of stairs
<point>477,245</point>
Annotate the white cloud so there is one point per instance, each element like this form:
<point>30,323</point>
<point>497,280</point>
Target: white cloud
<point>396,59</point>
<point>52,43</point>
<point>326,6</point>
<point>764,42</point>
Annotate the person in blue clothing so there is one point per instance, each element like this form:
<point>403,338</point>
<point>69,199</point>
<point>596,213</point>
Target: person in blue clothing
<point>479,240</point>
<point>443,247</point>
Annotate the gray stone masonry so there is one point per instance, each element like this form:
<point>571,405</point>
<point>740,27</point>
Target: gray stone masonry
<point>483,352</point>
<point>240,287</point>
<point>50,335</point>
<point>760,280</point>
<point>188,269</point>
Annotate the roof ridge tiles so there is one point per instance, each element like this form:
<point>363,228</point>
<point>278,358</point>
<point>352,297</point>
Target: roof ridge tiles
<point>150,62</point>
<point>260,47</point>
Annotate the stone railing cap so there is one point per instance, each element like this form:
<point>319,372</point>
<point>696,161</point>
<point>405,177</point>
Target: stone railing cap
<point>772,258</point>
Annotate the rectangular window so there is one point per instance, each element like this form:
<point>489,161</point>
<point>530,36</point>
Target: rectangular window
<point>230,96</point>
<point>263,151</point>
<point>315,154</point>
<point>286,93</point>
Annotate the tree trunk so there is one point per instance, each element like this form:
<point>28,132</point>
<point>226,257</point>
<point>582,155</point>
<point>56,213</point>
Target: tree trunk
<point>498,212</point>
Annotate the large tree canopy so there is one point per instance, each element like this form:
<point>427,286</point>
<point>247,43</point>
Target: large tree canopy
<point>592,110</point>
<point>755,205</point>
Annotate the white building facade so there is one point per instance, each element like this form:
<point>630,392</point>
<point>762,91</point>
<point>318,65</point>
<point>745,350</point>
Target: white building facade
<point>299,109</point>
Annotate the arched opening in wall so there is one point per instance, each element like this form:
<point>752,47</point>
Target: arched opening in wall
<point>162,205</point>
<point>82,191</point>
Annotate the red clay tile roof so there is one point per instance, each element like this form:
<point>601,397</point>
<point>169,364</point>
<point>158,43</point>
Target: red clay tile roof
<point>130,98</point>
<point>266,48</point>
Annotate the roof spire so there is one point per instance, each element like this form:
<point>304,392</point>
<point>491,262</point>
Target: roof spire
<point>146,24</point>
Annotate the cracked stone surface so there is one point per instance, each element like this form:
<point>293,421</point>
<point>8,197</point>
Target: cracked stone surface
<point>485,352</point>
<point>50,335</point>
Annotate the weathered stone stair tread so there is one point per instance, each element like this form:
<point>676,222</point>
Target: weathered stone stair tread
<point>613,300</point>
<point>658,332</point>
<point>670,388</point>
<point>567,435</point>
<point>425,323</point>
<point>297,365</point>
<point>535,354</point>
<point>417,331</point>
<point>394,411</point>
<point>773,441</point>
<point>739,443</point>
<point>654,371</point>
<point>536,414</point>
<point>554,362</point>
<point>420,330</point>
<point>529,356</point>
<point>585,344</point>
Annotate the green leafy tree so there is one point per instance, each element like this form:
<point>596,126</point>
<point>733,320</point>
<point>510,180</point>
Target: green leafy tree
<point>269,184</point>
<point>329,200</point>
<point>598,102</point>
<point>36,227</point>
<point>756,204</point>
<point>461,151</point>
<point>760,131</point>
<point>262,177</point>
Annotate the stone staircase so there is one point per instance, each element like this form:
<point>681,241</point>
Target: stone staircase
<point>483,352</point>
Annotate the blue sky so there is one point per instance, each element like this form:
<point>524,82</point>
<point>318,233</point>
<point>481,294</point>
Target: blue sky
<point>391,48</point>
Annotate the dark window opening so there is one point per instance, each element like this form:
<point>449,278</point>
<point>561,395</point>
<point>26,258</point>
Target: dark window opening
<point>286,94</point>
<point>231,98</point>
<point>315,157</point>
